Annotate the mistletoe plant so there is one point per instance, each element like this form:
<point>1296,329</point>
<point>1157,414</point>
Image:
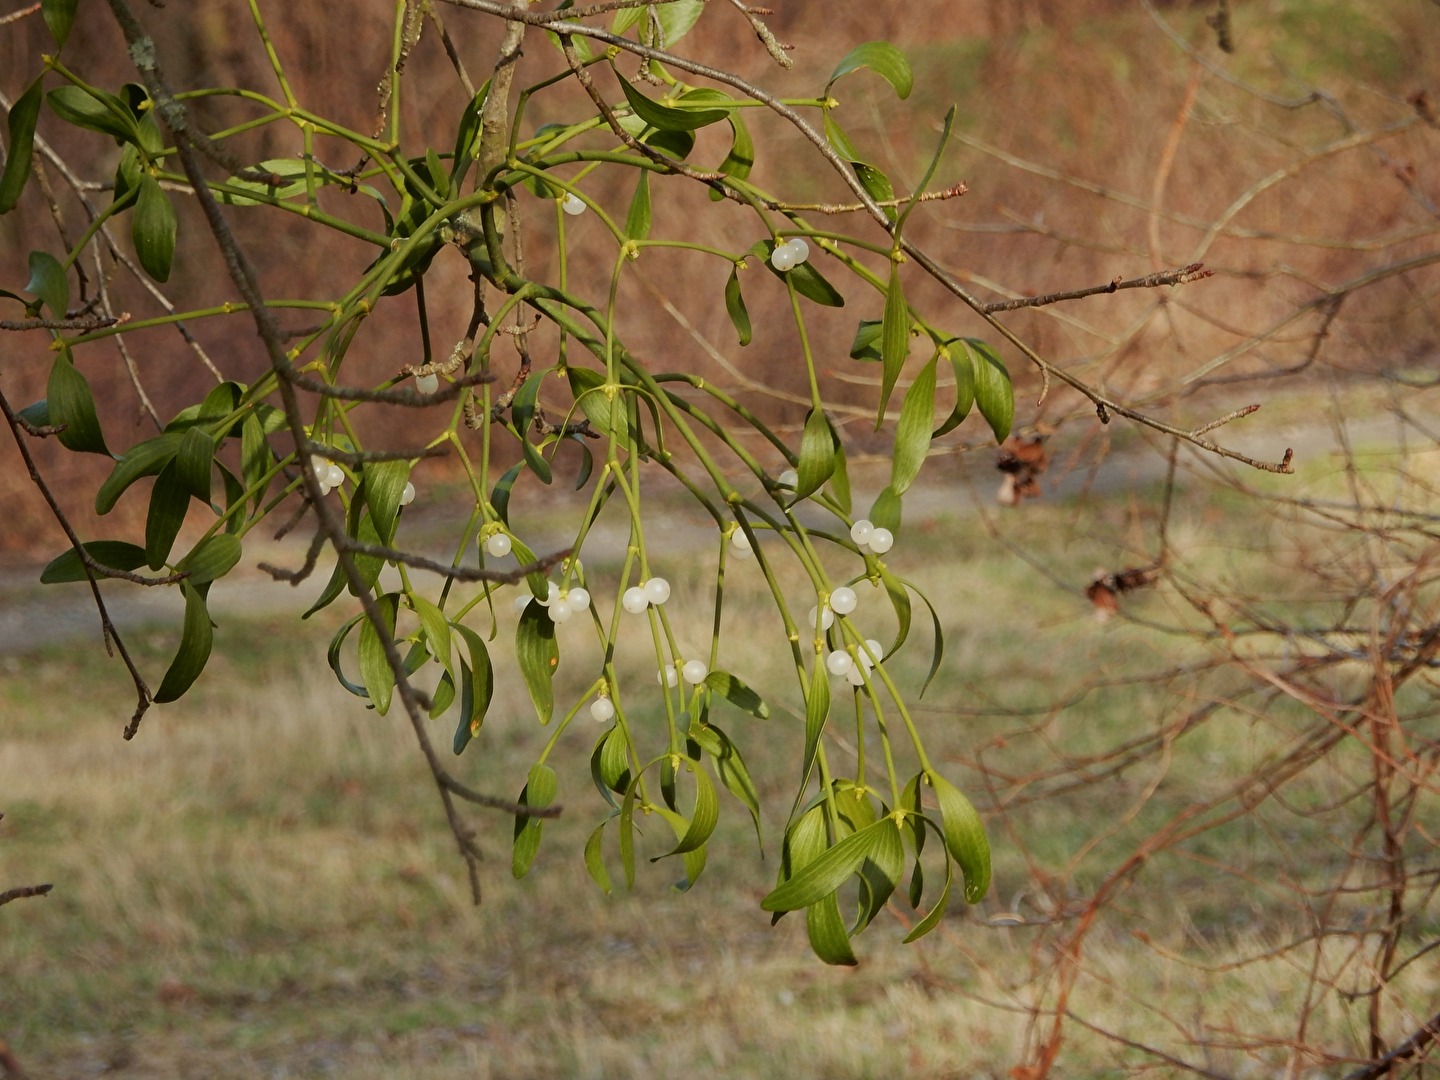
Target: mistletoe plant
<point>474,196</point>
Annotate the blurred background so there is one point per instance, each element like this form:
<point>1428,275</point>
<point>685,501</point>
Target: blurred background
<point>1195,702</point>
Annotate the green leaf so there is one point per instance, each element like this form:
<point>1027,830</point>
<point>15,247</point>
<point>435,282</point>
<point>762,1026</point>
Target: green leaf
<point>212,558</point>
<point>587,461</point>
<point>538,793</point>
<point>900,601</point>
<point>436,628</point>
<point>741,158</point>
<point>880,874</point>
<point>667,118</point>
<point>443,698</point>
<point>522,412</point>
<point>439,178</point>
<point>20,147</point>
<point>610,764</point>
<point>116,554</point>
<point>69,402</point>
<point>500,496</point>
<point>624,19</point>
<point>538,657</point>
<point>812,285</point>
<point>127,173</point>
<point>817,710</point>
<point>286,179</point>
<point>885,510</point>
<point>937,912</point>
<point>627,833</point>
<point>383,483</point>
<point>195,641</point>
<point>168,503</point>
<point>59,17</point>
<point>676,19</point>
<point>37,413</point>
<point>838,140</point>
<point>735,306</point>
<point>539,584</point>
<point>876,183</point>
<point>959,358</point>
<point>332,656</point>
<point>368,565</point>
<point>467,137</point>
<point>817,455</point>
<point>595,859</point>
<point>49,283</point>
<point>929,172</point>
<point>826,931</point>
<point>738,694</point>
<point>375,671</point>
<point>193,463</point>
<point>219,403</point>
<point>730,767</point>
<point>880,57</point>
<point>825,875</point>
<point>142,459</point>
<point>678,144</point>
<point>95,111</point>
<point>840,478</point>
<point>333,588</point>
<point>894,340</point>
<point>478,687</point>
<point>964,836</point>
<point>937,654</point>
<point>702,820</point>
<point>866,345</point>
<point>912,434</point>
<point>994,394</point>
<point>255,456</point>
<point>637,221</point>
<point>234,497</point>
<point>152,142</point>
<point>152,228</point>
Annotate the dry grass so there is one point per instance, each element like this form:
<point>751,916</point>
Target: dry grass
<point>261,885</point>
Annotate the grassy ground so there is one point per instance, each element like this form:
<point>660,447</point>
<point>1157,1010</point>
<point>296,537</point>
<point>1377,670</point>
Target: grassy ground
<point>261,884</point>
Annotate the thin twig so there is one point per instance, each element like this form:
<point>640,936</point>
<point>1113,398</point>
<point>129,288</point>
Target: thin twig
<point>1183,276</point>
<point>23,892</point>
<point>92,570</point>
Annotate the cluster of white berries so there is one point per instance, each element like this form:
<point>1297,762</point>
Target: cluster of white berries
<point>790,254</point>
<point>572,205</point>
<point>843,601</point>
<point>692,671</point>
<point>558,603</point>
<point>875,538</point>
<point>841,663</point>
<point>327,474</point>
<point>330,476</point>
<point>639,597</point>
